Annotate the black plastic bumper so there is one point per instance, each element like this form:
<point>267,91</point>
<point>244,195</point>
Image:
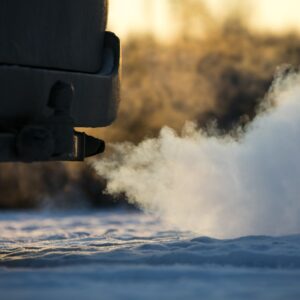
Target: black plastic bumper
<point>24,91</point>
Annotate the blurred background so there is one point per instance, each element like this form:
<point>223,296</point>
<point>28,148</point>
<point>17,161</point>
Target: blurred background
<point>209,61</point>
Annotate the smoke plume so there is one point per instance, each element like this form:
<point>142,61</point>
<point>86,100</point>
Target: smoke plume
<point>221,187</point>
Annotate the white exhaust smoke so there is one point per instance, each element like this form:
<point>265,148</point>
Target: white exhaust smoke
<point>218,186</point>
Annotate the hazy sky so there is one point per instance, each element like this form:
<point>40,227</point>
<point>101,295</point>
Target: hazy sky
<point>132,16</point>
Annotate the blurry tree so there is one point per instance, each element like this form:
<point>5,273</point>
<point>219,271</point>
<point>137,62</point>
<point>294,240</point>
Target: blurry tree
<point>193,17</point>
<point>197,20</point>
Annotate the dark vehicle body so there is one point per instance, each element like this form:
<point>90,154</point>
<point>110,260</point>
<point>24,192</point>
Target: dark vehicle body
<point>50,47</point>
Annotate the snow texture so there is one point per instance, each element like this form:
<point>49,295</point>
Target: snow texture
<point>125,255</point>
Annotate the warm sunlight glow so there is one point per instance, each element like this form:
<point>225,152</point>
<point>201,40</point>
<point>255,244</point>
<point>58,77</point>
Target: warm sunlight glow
<point>129,17</point>
<point>141,16</point>
<point>278,15</point>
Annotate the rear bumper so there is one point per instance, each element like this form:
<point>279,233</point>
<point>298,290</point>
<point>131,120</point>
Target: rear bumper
<point>24,91</point>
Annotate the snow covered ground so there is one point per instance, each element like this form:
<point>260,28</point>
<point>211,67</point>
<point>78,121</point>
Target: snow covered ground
<point>126,255</point>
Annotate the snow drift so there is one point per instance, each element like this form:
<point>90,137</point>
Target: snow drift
<point>121,255</point>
